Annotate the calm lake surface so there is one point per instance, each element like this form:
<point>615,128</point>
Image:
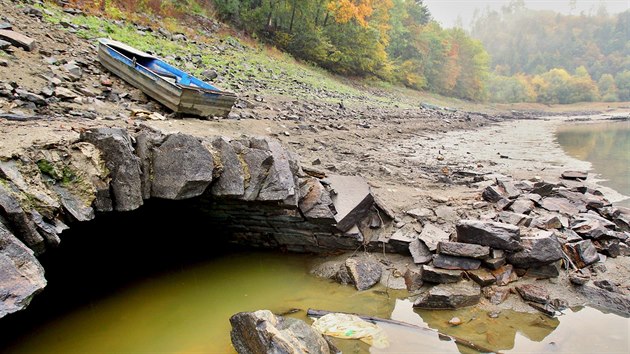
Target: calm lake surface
<point>187,311</point>
<point>606,146</point>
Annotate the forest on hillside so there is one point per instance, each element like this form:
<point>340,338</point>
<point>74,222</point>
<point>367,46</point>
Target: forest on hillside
<point>395,40</point>
<point>547,57</point>
<point>510,55</point>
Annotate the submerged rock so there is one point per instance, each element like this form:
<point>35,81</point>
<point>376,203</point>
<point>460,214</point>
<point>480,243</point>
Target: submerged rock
<point>450,296</point>
<point>263,332</point>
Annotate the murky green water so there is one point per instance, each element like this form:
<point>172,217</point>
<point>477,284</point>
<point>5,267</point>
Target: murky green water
<point>187,311</point>
<point>605,145</point>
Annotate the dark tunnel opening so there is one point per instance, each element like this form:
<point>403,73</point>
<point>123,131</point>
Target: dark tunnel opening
<point>115,250</point>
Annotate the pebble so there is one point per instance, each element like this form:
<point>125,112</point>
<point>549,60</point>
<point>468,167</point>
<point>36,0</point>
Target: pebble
<point>455,321</point>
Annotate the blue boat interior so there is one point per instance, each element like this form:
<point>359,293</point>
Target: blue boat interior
<point>155,67</point>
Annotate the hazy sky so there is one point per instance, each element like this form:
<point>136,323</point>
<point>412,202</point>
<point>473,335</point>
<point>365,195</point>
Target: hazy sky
<point>446,12</point>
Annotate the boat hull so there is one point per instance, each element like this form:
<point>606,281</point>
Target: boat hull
<point>180,99</point>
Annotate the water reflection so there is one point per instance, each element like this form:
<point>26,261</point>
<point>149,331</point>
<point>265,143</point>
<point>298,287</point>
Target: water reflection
<point>606,146</point>
<point>187,311</point>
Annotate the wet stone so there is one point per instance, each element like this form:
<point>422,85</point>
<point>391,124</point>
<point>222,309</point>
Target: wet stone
<point>413,278</point>
<point>607,285</point>
<point>450,296</point>
<point>453,262</point>
<point>364,271</point>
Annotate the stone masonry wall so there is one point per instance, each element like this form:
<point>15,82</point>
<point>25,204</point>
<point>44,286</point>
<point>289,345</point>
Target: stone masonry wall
<point>252,186</point>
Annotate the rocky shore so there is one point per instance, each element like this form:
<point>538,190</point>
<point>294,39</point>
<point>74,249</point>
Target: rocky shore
<point>405,188</point>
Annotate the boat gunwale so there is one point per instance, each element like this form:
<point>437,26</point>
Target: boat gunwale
<point>108,43</point>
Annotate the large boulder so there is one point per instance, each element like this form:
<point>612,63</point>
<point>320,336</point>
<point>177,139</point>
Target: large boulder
<point>488,233</point>
<point>21,275</point>
<point>280,182</point>
<point>182,168</point>
<point>18,219</point>
<point>450,296</point>
<point>123,165</point>
<point>263,332</point>
<point>540,249</point>
<point>231,182</point>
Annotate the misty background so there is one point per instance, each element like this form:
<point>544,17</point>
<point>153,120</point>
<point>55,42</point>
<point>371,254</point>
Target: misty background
<point>460,13</point>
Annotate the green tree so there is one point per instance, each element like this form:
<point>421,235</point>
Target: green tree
<point>607,88</point>
<point>622,80</point>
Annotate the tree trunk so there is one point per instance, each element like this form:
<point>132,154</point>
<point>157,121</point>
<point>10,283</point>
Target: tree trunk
<point>292,17</point>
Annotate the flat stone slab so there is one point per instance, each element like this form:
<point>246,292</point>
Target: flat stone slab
<point>460,249</point>
<point>17,39</point>
<point>454,262</point>
<point>488,233</point>
<point>352,199</point>
<point>450,296</point>
<point>441,276</point>
<point>420,252</point>
<point>431,235</point>
<point>481,277</point>
<point>534,293</point>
